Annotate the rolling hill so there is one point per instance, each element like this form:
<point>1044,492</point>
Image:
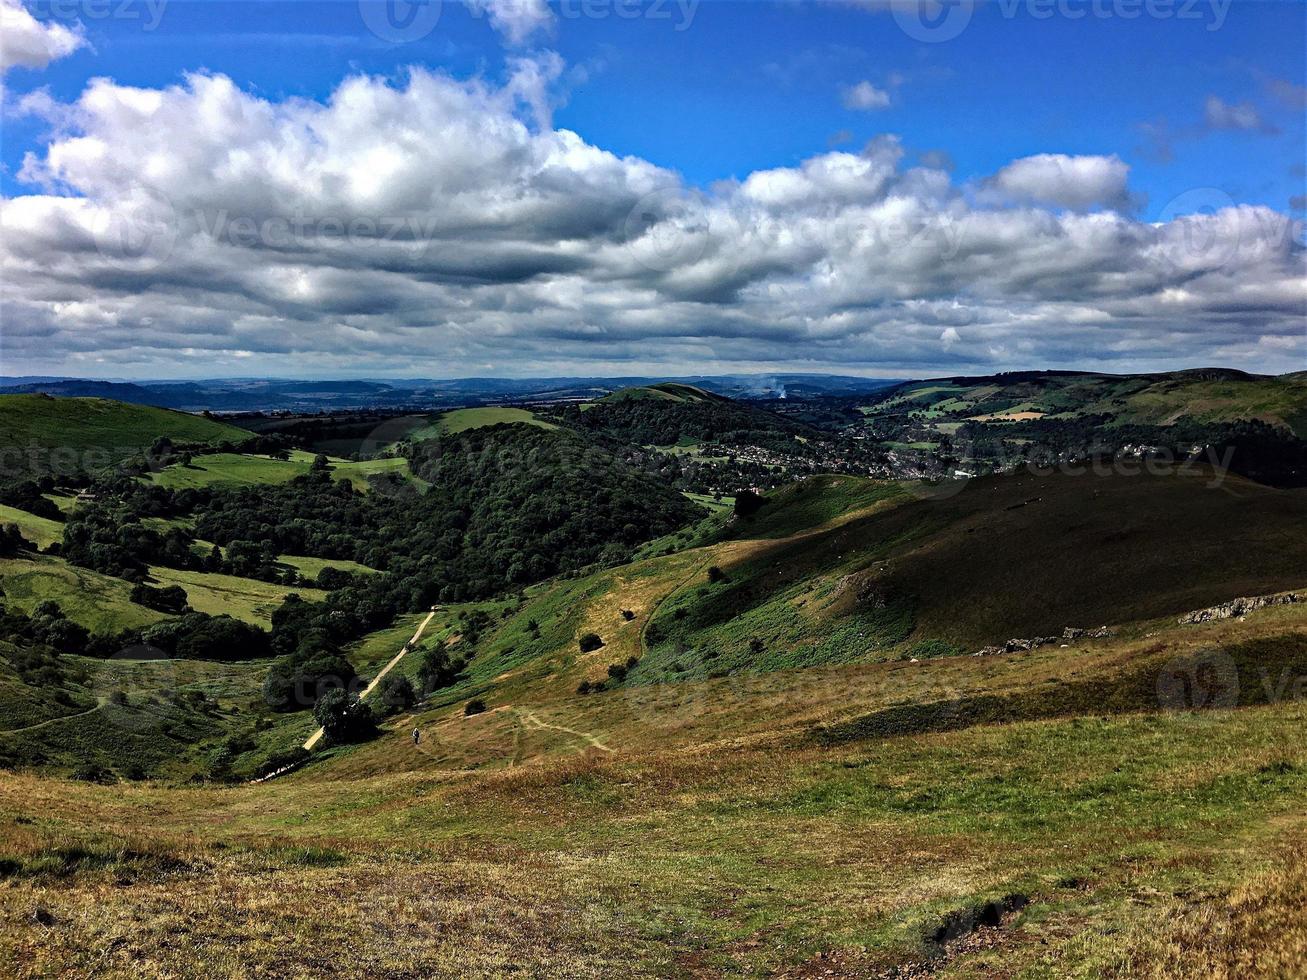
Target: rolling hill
<point>38,432</point>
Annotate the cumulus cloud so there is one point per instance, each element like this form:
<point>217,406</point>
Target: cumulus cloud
<point>516,20</point>
<point>865,97</point>
<point>1243,116</point>
<point>26,42</point>
<point>1079,182</point>
<point>441,226</point>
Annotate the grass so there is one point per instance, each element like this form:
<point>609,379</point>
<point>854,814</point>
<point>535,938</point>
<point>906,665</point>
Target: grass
<point>835,819</point>
<point>98,431</point>
<point>98,602</point>
<point>41,531</point>
<point>462,419</point>
<point>244,598</point>
<point>234,469</point>
<point>310,567</point>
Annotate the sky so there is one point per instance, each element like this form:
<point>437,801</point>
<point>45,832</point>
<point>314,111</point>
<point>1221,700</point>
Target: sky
<point>894,188</point>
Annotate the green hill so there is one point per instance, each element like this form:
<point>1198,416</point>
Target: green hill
<point>667,391</point>
<point>37,431</point>
<point>1201,395</point>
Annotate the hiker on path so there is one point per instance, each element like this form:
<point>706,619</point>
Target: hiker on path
<point>417,736</point>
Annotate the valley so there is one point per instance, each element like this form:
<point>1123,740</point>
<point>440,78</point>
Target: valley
<point>880,723</point>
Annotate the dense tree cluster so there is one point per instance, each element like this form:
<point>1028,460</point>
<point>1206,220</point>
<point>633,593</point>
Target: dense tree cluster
<point>658,422</point>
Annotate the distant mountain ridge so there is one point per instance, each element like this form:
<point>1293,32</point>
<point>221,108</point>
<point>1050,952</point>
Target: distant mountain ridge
<point>251,395</point>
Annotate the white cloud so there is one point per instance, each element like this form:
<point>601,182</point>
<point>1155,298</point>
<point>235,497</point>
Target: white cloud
<point>1243,116</point>
<point>866,97</point>
<point>1078,182</point>
<point>440,226</point>
<point>26,42</point>
<point>516,20</point>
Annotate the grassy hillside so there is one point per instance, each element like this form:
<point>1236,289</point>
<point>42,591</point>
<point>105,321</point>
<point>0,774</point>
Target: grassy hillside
<point>41,531</point>
<point>1199,396</point>
<point>98,602</point>
<point>99,432</point>
<point>669,391</point>
<point>234,469</point>
<point>462,419</point>
<point>243,598</point>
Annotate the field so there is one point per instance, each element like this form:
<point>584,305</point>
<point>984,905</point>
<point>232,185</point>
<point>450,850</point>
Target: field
<point>41,531</point>
<point>245,598</point>
<point>1088,845</point>
<point>310,567</point>
<point>848,796</point>
<point>232,469</point>
<point>462,419</point>
<point>98,602</point>
<point>97,432</point>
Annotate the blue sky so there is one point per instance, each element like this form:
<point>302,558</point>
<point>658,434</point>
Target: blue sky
<point>725,87</point>
<point>1202,101</point>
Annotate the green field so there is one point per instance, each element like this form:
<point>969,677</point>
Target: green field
<point>309,567</point>
<point>98,602</point>
<point>462,419</point>
<point>97,432</point>
<point>233,469</point>
<point>244,598</point>
<point>41,531</point>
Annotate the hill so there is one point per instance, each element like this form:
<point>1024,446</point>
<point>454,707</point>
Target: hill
<point>1200,395</point>
<point>39,432</point>
<point>856,813</point>
<point>668,391</point>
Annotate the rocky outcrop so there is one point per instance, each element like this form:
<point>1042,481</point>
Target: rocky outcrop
<point>1070,633</point>
<point>1240,607</point>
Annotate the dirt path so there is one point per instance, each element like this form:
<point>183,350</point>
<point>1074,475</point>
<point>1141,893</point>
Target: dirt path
<point>407,647</point>
<point>530,718</point>
<point>55,721</point>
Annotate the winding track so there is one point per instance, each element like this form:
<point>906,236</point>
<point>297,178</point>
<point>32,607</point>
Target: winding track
<point>413,640</point>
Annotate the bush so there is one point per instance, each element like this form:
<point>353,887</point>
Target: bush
<point>395,693</point>
<point>715,574</point>
<point>91,772</point>
<point>628,615</point>
<point>344,718</point>
<point>590,642</point>
<point>170,599</point>
<point>474,707</point>
<point>617,672</point>
<point>747,503</point>
<point>583,687</point>
<point>437,669</point>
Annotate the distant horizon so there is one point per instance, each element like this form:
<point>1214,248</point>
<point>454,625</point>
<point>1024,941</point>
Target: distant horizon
<point>653,376</point>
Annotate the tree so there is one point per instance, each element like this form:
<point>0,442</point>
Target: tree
<point>715,574</point>
<point>396,693</point>
<point>590,642</point>
<point>437,669</point>
<point>474,707</point>
<point>344,718</point>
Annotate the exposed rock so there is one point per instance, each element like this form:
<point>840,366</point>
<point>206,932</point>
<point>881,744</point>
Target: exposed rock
<point>1240,607</point>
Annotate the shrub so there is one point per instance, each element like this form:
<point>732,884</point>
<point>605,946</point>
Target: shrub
<point>617,672</point>
<point>395,692</point>
<point>590,642</point>
<point>437,669</point>
<point>628,615</point>
<point>583,687</point>
<point>474,707</point>
<point>631,662</point>
<point>344,718</point>
<point>715,574</point>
